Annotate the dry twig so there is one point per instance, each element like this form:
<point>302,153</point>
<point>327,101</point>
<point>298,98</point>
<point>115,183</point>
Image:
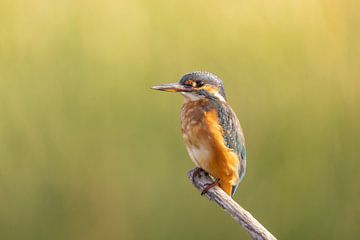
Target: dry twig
<point>240,215</point>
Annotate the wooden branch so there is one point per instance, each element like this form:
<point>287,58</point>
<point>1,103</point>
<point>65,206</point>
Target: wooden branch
<point>240,215</point>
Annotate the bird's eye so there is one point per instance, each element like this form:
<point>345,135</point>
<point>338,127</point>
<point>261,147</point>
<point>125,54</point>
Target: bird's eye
<point>199,83</point>
<point>193,83</point>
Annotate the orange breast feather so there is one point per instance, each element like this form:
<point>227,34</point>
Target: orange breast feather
<point>204,141</point>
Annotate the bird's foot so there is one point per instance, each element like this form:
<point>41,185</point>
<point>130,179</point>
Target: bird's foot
<point>196,173</point>
<point>208,186</point>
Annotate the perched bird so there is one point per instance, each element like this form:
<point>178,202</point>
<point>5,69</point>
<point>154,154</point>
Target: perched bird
<point>210,129</point>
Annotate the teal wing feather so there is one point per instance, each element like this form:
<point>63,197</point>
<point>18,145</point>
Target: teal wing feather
<point>233,137</point>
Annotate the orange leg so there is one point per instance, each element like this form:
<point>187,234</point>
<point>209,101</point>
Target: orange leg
<point>209,186</point>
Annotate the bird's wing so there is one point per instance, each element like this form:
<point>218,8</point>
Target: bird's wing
<point>233,137</point>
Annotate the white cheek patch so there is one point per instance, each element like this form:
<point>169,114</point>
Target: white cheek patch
<point>218,95</point>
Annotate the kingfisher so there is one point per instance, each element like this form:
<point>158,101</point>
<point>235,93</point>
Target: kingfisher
<point>210,129</point>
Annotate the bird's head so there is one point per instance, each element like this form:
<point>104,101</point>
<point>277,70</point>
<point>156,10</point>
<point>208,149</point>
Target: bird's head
<point>197,85</point>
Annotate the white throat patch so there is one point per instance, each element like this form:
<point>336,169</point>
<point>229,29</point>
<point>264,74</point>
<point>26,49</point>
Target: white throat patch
<point>192,96</point>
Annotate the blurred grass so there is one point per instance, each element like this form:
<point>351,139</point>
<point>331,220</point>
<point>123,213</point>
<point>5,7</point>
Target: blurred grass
<point>89,152</point>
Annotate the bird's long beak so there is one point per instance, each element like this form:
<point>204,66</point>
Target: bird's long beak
<point>172,87</point>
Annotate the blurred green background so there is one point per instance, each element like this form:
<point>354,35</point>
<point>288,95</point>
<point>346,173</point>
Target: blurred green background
<point>87,151</point>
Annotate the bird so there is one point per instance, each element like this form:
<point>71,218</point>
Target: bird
<point>210,129</point>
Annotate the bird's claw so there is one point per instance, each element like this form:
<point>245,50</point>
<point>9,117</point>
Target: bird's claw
<point>196,173</point>
<point>208,186</point>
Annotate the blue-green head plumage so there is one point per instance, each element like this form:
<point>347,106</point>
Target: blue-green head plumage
<point>202,78</point>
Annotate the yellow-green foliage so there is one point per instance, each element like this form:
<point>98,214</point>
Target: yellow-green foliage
<point>87,151</point>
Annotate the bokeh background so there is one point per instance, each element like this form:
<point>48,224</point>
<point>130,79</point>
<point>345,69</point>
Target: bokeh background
<point>87,151</point>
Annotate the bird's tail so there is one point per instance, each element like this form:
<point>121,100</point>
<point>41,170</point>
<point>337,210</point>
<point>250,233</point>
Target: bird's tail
<point>242,172</point>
